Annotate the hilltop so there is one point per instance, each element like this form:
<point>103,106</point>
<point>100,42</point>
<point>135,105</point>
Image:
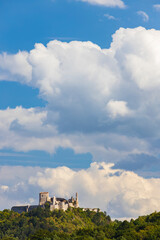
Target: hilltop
<point>42,224</point>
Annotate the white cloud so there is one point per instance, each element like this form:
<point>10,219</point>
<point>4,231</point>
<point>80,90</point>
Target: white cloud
<point>121,193</point>
<point>78,80</point>
<point>27,129</point>
<point>4,187</point>
<point>139,61</point>
<point>144,15</point>
<point>18,67</point>
<point>157,7</point>
<point>106,3</point>
<point>110,17</point>
<point>15,189</point>
<point>118,108</point>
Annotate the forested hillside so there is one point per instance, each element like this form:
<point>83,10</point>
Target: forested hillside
<point>41,224</point>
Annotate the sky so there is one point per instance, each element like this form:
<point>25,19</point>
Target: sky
<point>79,103</point>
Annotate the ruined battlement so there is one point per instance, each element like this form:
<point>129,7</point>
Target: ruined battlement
<point>54,203</point>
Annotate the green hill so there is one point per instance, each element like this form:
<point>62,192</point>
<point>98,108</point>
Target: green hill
<point>42,224</point>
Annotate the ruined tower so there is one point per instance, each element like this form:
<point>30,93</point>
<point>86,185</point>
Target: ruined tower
<point>77,204</point>
<point>43,198</point>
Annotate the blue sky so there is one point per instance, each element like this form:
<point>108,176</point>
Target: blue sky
<point>79,95</point>
<point>24,23</point>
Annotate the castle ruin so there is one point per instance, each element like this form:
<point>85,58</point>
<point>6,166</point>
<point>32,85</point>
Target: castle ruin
<point>54,203</point>
<point>58,203</point>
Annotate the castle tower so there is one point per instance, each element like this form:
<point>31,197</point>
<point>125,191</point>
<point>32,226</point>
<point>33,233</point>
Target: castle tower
<point>77,204</point>
<point>43,198</point>
<point>54,200</point>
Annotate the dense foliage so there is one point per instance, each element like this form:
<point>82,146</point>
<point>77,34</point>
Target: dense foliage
<point>42,224</point>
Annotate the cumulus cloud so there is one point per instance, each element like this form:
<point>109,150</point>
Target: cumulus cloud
<point>106,3</point>
<point>102,101</point>
<point>144,15</point>
<point>111,190</point>
<point>14,188</point>
<point>17,65</point>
